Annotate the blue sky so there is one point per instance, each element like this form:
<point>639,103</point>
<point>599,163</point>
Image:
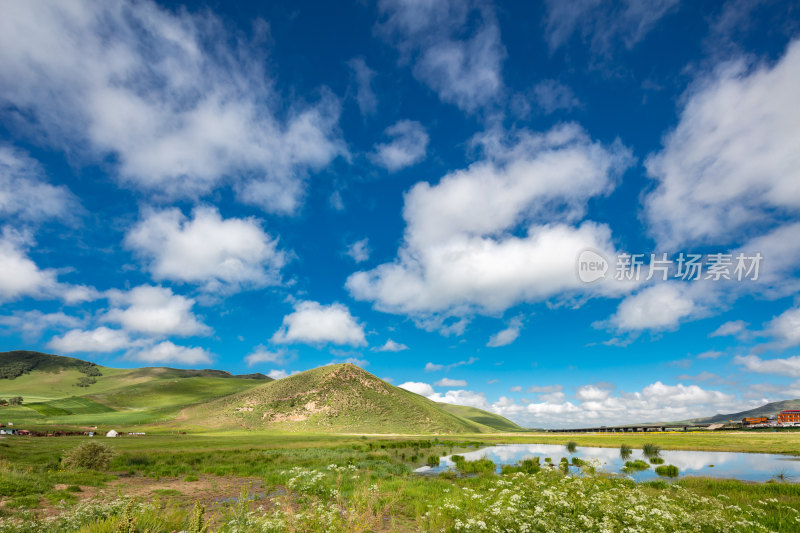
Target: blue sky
<point>269,187</point>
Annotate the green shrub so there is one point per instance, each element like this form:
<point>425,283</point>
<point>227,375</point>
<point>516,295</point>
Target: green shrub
<point>89,456</point>
<point>433,460</point>
<point>572,446</point>
<point>657,460</point>
<point>667,470</point>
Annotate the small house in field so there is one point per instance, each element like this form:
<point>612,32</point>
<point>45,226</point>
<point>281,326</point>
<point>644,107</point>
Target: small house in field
<point>112,433</point>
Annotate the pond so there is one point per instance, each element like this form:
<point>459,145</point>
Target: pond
<point>743,466</point>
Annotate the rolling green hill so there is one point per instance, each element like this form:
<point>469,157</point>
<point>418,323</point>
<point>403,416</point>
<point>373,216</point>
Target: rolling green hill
<point>54,393</point>
<point>334,398</point>
<point>341,398</point>
<point>496,422</point>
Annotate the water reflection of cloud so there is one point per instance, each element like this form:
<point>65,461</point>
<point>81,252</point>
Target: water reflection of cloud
<point>747,466</point>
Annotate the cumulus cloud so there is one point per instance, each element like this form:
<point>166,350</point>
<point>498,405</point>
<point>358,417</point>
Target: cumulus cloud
<point>423,389</point>
<point>447,382</point>
<point>262,355</point>
<point>167,352</point>
<point>409,142</point>
<point>32,323</point>
<point>458,253</point>
<point>20,276</point>
<point>789,366</point>
<point>99,340</point>
<point>359,251</point>
<point>181,104</point>
<point>154,311</point>
<point>391,346</point>
<point>545,389</point>
<point>656,307</point>
<point>26,195</point>
<point>314,323</point>
<point>506,336</point>
<point>218,254</point>
<point>603,25</point>
<point>785,328</point>
<point>454,47</point>
<point>277,374</point>
<point>733,161</point>
<point>365,96</point>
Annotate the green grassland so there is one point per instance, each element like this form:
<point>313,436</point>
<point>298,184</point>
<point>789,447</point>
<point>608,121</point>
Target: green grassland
<point>323,482</point>
<point>133,397</point>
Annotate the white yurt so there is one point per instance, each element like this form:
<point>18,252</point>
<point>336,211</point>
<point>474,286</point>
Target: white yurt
<point>112,433</point>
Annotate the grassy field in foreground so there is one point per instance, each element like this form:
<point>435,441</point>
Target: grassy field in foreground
<point>316,482</point>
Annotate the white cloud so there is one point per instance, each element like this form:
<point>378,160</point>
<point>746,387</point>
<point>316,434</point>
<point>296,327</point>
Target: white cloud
<point>102,340</point>
<point>359,250</point>
<point>516,388</point>
<point>552,96</point>
<point>32,323</point>
<point>596,406</point>
<point>219,254</point>
<point>660,306</point>
<point>423,389</point>
<point>789,366</point>
<point>24,193</point>
<point>508,335</point>
<point>453,45</point>
<point>262,355</point>
<point>458,252</point>
<point>733,161</point>
<point>785,328</point>
<point>167,352</point>
<point>447,382</point>
<point>710,354</point>
<point>545,389</point>
<point>277,374</point>
<point>391,346</point>
<point>603,25</point>
<point>154,311</point>
<point>734,327</point>
<point>434,367</point>
<point>365,96</point>
<point>180,103</point>
<point>462,397</point>
<point>314,323</point>
<point>592,393</point>
<point>21,277</point>
<point>408,146</point>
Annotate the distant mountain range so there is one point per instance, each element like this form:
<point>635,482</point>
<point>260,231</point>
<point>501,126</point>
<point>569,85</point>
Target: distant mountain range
<point>769,409</point>
<point>66,391</point>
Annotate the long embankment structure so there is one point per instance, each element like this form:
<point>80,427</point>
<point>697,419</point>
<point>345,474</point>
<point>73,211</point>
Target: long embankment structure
<point>640,428</point>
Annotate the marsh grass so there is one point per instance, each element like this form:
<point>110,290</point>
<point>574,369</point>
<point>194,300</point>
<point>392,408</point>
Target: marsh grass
<point>572,446</point>
<point>667,470</point>
<point>651,450</point>
<point>625,451</point>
